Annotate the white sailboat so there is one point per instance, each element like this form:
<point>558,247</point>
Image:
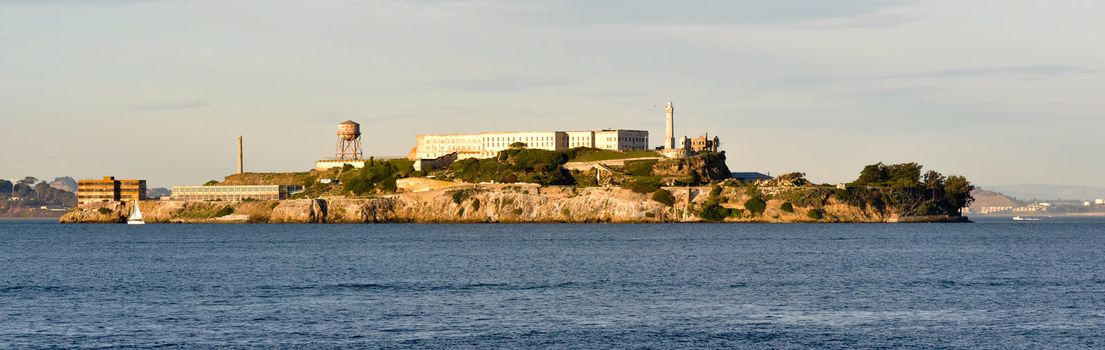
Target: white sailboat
<point>136,216</point>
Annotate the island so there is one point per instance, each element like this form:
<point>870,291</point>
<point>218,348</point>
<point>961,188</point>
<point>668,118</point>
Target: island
<point>577,185</point>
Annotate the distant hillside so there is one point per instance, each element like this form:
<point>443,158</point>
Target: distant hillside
<point>31,197</point>
<point>984,198</point>
<point>1049,192</point>
<point>65,184</point>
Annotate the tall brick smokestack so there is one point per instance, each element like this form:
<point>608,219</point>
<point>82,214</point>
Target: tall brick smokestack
<point>241,169</point>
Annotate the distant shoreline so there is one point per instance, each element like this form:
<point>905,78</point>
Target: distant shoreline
<point>1042,215</point>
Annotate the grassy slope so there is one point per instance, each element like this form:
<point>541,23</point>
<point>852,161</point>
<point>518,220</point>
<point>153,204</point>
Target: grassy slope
<point>597,155</point>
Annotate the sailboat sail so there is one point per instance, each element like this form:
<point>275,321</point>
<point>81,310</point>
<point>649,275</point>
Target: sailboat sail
<point>136,215</point>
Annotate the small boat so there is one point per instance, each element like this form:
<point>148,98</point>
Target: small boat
<point>1018,218</point>
<point>136,216</point>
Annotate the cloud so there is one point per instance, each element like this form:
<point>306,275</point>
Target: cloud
<point>418,114</point>
<point>74,2</point>
<point>1000,72</point>
<point>505,83</point>
<point>662,12</point>
<point>169,105</point>
<point>865,21</point>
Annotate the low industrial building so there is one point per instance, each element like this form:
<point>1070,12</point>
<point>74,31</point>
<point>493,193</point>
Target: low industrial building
<point>109,189</point>
<point>234,193</point>
<point>489,144</point>
<point>750,176</point>
<point>436,163</point>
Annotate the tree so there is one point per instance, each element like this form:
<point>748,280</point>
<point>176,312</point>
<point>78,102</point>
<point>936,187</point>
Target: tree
<point>871,174</point>
<point>713,212</point>
<point>934,182</point>
<point>518,145</point>
<point>957,191</point>
<point>755,206</point>
<point>903,175</point>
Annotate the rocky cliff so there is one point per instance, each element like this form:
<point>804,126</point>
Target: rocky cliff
<point>496,204</point>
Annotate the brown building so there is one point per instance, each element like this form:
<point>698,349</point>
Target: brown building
<point>109,189</point>
<point>704,143</point>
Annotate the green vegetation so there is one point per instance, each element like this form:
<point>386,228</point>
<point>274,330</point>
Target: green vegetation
<point>715,191</point>
<point>516,165</point>
<point>205,210</point>
<point>459,196</point>
<point>643,184</point>
<point>906,175</point>
<point>713,212</point>
<point>211,183</point>
<point>585,154</point>
<point>224,212</point>
<point>664,197</point>
<point>376,176</point>
<point>103,211</point>
<point>755,206</point>
<point>518,145</point>
<point>641,167</point>
<point>816,214</point>
<point>909,191</point>
<point>787,207</point>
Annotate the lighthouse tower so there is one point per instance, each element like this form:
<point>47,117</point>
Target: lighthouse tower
<point>669,136</point>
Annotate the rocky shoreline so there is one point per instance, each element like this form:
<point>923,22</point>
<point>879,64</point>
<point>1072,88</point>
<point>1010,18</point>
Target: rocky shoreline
<point>490,204</point>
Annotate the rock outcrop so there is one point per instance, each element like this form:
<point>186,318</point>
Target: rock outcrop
<point>491,204</point>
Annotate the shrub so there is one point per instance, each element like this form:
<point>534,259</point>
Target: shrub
<point>713,212</point>
<point>640,167</point>
<point>816,214</point>
<point>736,213</point>
<point>643,184</point>
<point>664,197</point>
<point>787,207</point>
<point>586,154</point>
<point>211,183</point>
<point>752,191</point>
<point>224,212</point>
<point>459,196</point>
<point>476,204</point>
<point>715,191</point>
<point>103,211</point>
<point>755,206</point>
<point>517,211</point>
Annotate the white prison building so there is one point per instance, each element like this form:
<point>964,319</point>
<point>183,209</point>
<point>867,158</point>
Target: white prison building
<point>488,144</point>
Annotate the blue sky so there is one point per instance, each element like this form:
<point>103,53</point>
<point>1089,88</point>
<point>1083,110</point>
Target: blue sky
<point>1003,93</point>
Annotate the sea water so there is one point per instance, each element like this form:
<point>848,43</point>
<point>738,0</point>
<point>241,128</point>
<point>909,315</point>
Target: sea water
<point>993,284</point>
